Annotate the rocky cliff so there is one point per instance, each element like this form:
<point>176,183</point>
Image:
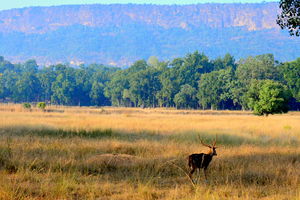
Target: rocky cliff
<point>120,34</point>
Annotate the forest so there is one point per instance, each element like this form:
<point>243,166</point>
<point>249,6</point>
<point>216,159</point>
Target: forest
<point>191,82</point>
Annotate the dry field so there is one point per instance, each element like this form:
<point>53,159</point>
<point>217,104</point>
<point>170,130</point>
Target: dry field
<point>126,153</point>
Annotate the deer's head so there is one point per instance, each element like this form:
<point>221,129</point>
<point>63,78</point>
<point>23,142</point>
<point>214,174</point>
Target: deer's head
<point>212,147</point>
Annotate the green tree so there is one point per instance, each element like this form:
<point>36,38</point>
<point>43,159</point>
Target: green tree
<point>126,98</point>
<point>97,94</point>
<point>189,69</point>
<point>30,66</point>
<point>46,77</point>
<point>223,63</point>
<point>215,89</point>
<point>63,88</point>
<point>260,67</point>
<point>186,97</point>
<point>290,16</point>
<point>2,88</point>
<point>9,79</point>
<point>268,97</point>
<point>83,86</point>
<point>144,86</point>
<point>153,61</point>
<point>7,66</point>
<point>27,88</point>
<point>97,78</point>
<point>115,87</point>
<point>169,88</point>
<point>291,74</point>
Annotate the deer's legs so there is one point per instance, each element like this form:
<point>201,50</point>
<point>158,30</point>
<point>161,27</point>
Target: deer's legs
<point>204,170</point>
<point>191,172</point>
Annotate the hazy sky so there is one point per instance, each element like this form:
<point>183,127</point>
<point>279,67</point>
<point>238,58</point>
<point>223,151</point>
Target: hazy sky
<point>8,4</point>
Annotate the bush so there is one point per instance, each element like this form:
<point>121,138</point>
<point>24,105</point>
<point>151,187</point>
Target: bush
<point>41,105</point>
<point>26,105</point>
<point>268,97</point>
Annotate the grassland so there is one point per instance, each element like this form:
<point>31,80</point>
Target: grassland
<point>125,153</point>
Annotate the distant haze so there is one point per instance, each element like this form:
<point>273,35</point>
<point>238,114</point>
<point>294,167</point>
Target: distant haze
<point>122,34</point>
<point>29,3</point>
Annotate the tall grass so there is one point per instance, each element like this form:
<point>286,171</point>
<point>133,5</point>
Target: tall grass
<point>81,155</point>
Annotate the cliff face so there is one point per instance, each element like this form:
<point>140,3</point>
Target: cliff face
<point>43,19</point>
<point>119,34</point>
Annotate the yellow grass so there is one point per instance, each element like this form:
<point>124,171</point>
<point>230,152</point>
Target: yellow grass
<point>155,120</point>
<point>143,156</point>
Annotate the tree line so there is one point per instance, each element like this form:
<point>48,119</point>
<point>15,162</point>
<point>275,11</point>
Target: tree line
<point>194,81</point>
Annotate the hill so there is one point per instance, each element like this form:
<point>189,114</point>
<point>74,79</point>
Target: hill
<point>120,34</point>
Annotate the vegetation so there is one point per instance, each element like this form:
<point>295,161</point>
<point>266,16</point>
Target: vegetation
<point>193,82</point>
<point>41,105</point>
<point>268,97</point>
<point>26,105</point>
<point>290,16</point>
<point>120,40</point>
<point>133,153</point>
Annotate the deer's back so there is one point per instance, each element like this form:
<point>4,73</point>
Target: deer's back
<point>200,160</point>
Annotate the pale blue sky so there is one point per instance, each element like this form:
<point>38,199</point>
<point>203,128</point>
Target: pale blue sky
<point>8,4</point>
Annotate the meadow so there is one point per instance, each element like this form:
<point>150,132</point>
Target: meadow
<point>132,153</point>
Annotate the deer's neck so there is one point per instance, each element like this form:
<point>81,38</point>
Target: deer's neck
<point>210,153</point>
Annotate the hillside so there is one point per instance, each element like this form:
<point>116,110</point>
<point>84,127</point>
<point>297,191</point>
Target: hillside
<point>120,34</point>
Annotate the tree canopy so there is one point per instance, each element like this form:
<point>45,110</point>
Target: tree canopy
<point>268,97</point>
<point>290,16</point>
<point>194,81</point>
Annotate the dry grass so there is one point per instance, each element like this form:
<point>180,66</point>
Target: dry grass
<point>161,121</point>
<point>118,153</point>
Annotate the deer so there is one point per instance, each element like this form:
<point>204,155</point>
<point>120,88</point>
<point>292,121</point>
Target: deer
<point>202,160</point>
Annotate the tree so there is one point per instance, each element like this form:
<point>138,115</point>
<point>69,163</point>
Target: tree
<point>169,87</point>
<point>189,69</point>
<point>115,87</point>
<point>290,16</point>
<point>97,94</point>
<point>64,86</point>
<point>30,66</point>
<point>2,95</point>
<point>153,61</point>
<point>260,67</point>
<point>46,77</point>
<point>291,74</point>
<point>144,86</point>
<point>27,88</point>
<point>83,87</point>
<point>268,97</point>
<point>215,89</point>
<point>186,98</point>
<point>6,66</point>
<point>8,84</point>
<point>224,63</point>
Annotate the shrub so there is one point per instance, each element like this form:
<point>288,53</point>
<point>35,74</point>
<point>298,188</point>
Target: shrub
<point>41,105</point>
<point>268,97</point>
<point>26,105</point>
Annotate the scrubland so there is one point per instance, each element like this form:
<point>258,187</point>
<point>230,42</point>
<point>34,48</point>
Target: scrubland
<point>127,153</point>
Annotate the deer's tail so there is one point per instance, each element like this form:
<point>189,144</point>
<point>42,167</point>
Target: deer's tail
<point>190,161</point>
